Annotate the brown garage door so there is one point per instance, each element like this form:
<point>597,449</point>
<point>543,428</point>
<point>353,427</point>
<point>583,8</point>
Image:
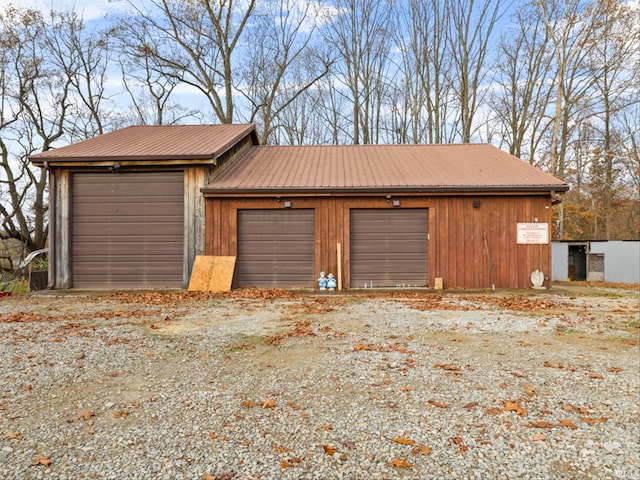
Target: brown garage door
<point>388,247</point>
<point>276,248</point>
<point>127,230</point>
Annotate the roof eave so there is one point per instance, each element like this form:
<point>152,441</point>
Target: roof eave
<point>133,160</point>
<point>533,189</point>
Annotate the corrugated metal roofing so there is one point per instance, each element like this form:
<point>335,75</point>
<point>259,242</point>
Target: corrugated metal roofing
<point>152,142</point>
<point>380,167</point>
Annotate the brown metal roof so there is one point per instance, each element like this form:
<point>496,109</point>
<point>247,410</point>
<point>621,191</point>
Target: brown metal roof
<point>423,168</point>
<point>150,143</point>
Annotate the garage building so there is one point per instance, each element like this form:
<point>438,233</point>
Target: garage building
<point>382,216</point>
<point>125,210</point>
<point>376,216</point>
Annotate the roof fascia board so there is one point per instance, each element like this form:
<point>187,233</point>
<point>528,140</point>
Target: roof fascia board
<point>451,190</point>
<point>128,162</point>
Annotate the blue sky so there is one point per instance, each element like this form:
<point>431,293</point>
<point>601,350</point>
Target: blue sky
<point>91,9</point>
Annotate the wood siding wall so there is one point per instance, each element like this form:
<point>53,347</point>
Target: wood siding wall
<point>459,234</point>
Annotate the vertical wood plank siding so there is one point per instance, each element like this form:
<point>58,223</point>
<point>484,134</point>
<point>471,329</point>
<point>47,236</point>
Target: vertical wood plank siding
<point>457,233</point>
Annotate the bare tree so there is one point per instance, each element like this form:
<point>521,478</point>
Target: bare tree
<point>424,93</point>
<point>194,42</point>
<point>282,60</point>
<point>361,32</point>
<point>523,83</point>
<point>151,92</point>
<point>83,57</point>
<point>571,32</point>
<point>471,28</point>
<point>53,89</point>
<point>33,105</point>
<point>612,61</point>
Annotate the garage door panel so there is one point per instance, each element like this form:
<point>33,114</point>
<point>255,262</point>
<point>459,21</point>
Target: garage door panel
<point>161,251</point>
<point>120,281</point>
<point>124,269</point>
<point>276,248</point>
<point>136,211</point>
<point>108,232</point>
<point>127,230</point>
<point>388,247</point>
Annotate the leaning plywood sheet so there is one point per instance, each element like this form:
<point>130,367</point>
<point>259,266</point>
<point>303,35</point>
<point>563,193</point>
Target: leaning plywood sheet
<point>212,274</point>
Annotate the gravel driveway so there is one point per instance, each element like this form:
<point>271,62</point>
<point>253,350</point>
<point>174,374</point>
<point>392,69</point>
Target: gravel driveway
<point>261,384</point>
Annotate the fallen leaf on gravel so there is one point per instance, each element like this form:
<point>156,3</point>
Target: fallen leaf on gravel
<point>596,376</point>
<point>438,404</point>
<point>293,405</point>
<point>329,450</point>
<point>539,436</point>
<point>285,464</point>
<point>362,346</point>
<point>42,460</point>
<point>121,414</point>
<point>530,391</point>
<point>12,435</point>
<point>85,415</point>
<point>248,404</point>
<point>541,424</point>
<point>448,367</point>
<point>404,441</point>
<point>271,403</point>
<point>593,421</point>
<point>398,463</point>
<point>300,329</point>
<point>514,407</point>
<point>226,476</point>
<point>406,388</point>
<point>471,405</point>
<point>280,449</point>
<point>493,411</point>
<point>207,476</point>
<point>457,440</point>
<point>326,428</point>
<point>567,423</point>
<point>551,365</point>
<point>422,450</point>
<point>615,369</point>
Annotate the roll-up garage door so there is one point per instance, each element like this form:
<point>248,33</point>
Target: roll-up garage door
<point>388,247</point>
<point>276,248</point>
<point>127,230</point>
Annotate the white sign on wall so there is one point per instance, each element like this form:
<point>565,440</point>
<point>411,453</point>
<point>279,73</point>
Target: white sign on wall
<point>533,233</point>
